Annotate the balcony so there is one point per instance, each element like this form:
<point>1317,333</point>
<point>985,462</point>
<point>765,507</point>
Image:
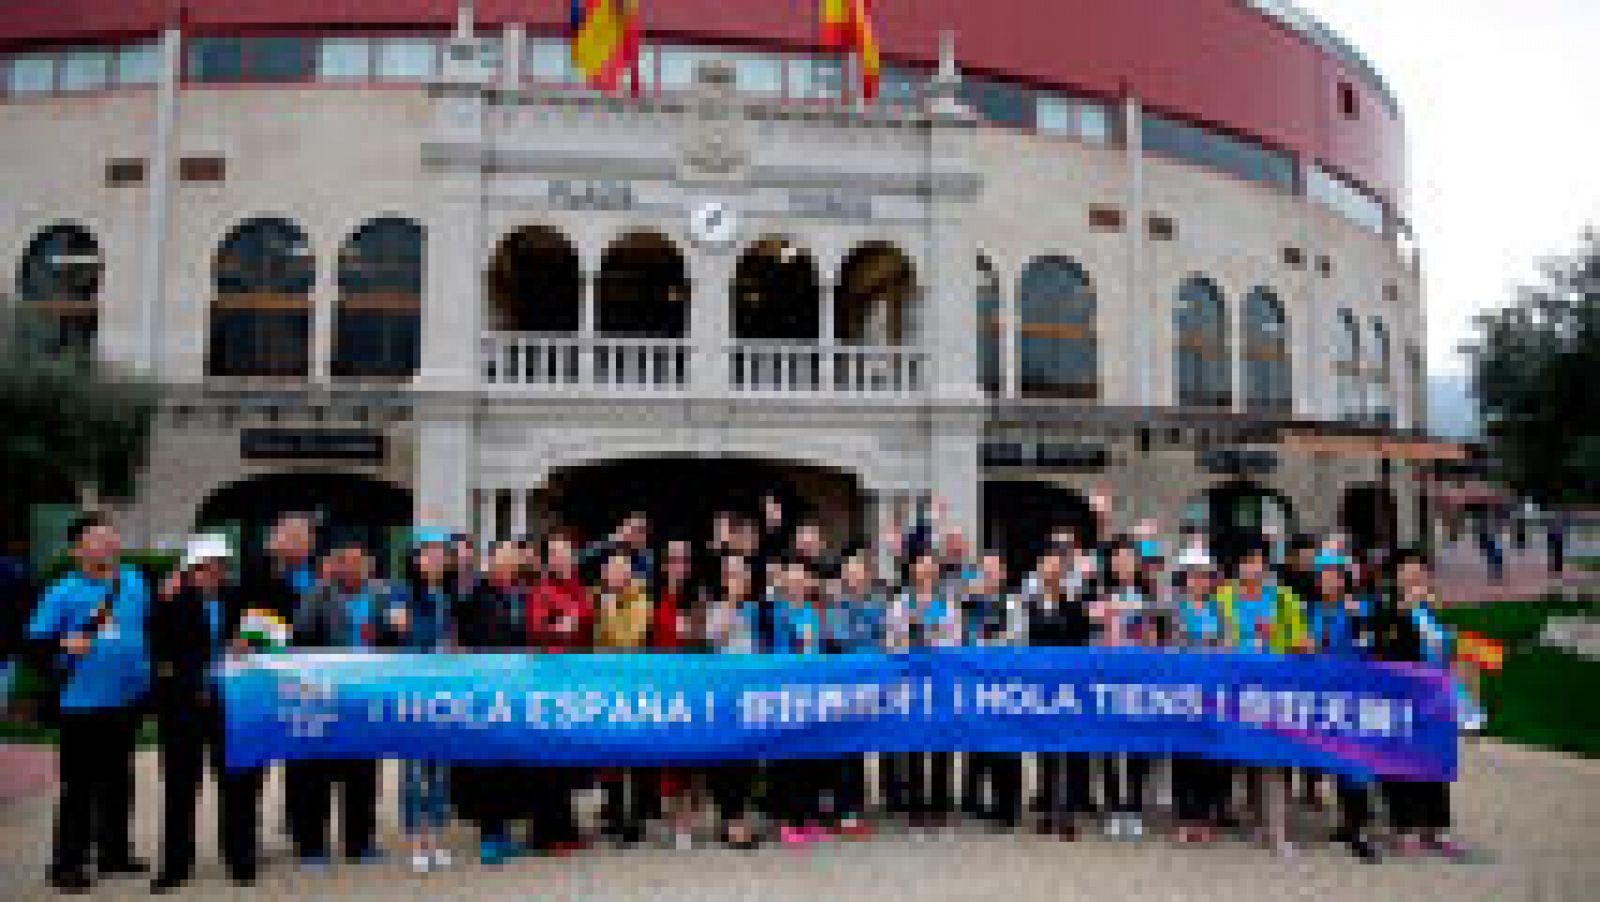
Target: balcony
<point>532,363</point>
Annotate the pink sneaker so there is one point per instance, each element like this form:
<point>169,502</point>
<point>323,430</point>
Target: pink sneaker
<point>793,836</point>
<point>1409,846</point>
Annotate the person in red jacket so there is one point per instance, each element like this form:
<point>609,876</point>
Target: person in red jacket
<point>560,614</point>
<point>559,618</point>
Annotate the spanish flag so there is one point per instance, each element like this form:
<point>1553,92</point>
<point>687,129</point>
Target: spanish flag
<point>605,41</point>
<point>847,26</point>
<point>1480,651</point>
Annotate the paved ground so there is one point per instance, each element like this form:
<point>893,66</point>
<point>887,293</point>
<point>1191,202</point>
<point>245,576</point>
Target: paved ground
<point>1538,813</point>
<point>1463,577</point>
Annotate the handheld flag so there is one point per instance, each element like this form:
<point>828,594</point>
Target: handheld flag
<point>1480,651</point>
<point>605,41</point>
<point>847,26</point>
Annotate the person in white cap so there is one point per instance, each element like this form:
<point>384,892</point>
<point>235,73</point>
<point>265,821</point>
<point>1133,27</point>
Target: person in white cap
<point>191,628</point>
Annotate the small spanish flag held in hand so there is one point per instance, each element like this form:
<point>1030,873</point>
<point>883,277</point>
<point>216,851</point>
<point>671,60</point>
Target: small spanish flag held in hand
<point>847,26</point>
<point>605,41</point>
<point>1480,651</point>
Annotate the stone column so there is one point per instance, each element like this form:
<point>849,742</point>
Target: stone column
<point>1138,344</point>
<point>324,299</point>
<point>154,272</point>
<point>453,306</point>
<point>827,329</point>
<point>1010,336</point>
<point>513,46</point>
<point>488,517</point>
<point>519,513</point>
<point>954,474</point>
<point>588,325</point>
<point>444,472</point>
<point>711,272</point>
<point>1236,358</point>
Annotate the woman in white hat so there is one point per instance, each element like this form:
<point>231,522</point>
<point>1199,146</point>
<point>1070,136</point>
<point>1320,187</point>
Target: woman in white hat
<point>191,627</point>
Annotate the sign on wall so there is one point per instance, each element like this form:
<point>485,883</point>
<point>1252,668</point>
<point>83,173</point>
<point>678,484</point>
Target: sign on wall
<point>351,445</point>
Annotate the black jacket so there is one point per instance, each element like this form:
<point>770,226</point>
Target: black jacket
<point>181,653</point>
<point>1394,635</point>
<point>263,586</point>
<point>492,619</point>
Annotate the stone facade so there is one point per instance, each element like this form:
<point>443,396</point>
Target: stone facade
<point>472,162</point>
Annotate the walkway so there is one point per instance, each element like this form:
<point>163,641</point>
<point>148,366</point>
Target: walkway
<point>1537,812</point>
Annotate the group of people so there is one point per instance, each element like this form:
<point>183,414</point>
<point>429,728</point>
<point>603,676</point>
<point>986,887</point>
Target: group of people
<point>762,583</point>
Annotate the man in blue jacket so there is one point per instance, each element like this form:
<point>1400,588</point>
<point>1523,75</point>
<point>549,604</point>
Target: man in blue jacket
<point>92,622</point>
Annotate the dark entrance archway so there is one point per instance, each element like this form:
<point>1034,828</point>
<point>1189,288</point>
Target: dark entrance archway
<point>1239,512</point>
<point>346,506</point>
<point>1369,516</point>
<point>681,495</point>
<point>1018,517</point>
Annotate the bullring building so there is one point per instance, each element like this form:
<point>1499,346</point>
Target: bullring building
<point>391,258</point>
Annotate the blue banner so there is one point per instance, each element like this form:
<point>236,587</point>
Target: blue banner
<point>1395,721</point>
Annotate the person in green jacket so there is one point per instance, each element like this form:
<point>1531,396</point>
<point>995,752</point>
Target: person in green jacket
<point>1262,616</point>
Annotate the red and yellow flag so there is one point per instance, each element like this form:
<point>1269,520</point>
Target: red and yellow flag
<point>1480,651</point>
<point>605,40</point>
<point>847,26</point>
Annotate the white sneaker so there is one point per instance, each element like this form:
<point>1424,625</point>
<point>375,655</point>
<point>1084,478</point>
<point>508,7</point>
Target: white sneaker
<point>441,859</point>
<point>421,863</point>
<point>1114,825</point>
<point>1132,826</point>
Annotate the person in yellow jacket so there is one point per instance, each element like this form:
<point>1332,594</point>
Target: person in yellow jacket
<point>622,607</point>
<point>1259,615</point>
<point>622,612</point>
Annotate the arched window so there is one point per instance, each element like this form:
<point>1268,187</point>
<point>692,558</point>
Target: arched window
<point>378,330</point>
<point>1267,385</point>
<point>644,288</point>
<point>990,328</point>
<point>775,293</point>
<point>1205,373</point>
<point>535,283</point>
<point>58,284</point>
<point>261,313</point>
<point>1057,350</point>
<point>1347,365</point>
<point>877,289</point>
<point>1380,402</point>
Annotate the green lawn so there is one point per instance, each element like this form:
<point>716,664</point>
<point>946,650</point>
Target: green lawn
<point>1542,697</point>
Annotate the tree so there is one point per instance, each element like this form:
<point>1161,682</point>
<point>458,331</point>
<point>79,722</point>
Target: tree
<point>1536,377</point>
<point>74,426</point>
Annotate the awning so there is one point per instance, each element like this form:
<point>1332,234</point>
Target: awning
<point>1374,446</point>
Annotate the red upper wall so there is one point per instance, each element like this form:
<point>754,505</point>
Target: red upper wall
<point>1213,60</point>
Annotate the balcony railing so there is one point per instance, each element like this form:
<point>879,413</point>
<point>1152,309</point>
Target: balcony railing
<point>549,363</point>
<point>534,362</point>
<point>809,369</point>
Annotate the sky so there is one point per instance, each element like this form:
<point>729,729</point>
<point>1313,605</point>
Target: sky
<point>1501,100</point>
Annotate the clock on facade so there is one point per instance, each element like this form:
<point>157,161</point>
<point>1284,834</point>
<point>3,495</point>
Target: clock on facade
<point>714,223</point>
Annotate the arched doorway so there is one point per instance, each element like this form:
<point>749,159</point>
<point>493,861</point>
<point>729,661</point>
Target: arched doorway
<point>1019,516</point>
<point>1237,513</point>
<point>876,293</point>
<point>535,283</point>
<point>1369,516</point>
<point>681,495</point>
<point>644,288</point>
<point>344,505</point>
